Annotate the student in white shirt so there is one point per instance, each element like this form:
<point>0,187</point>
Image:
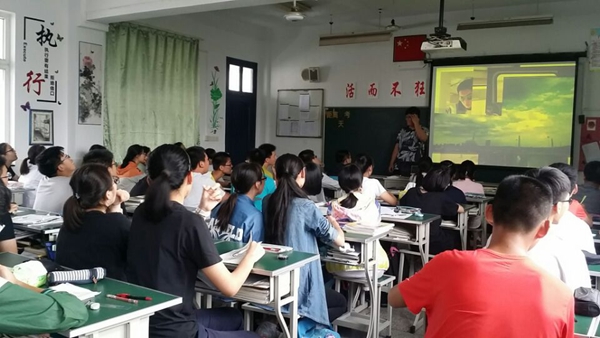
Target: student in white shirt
<point>200,176</point>
<point>370,185</point>
<point>308,156</point>
<point>30,175</point>
<point>464,179</point>
<point>571,228</point>
<point>54,189</point>
<point>556,256</point>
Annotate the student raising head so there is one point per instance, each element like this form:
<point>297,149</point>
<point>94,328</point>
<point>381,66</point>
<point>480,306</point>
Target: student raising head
<point>464,179</point>
<point>53,190</point>
<point>221,166</point>
<point>257,156</point>
<point>308,156</point>
<point>95,232</point>
<point>370,185</point>
<point>237,219</point>
<point>129,167</point>
<point>30,175</point>
<point>448,287</point>
<point>342,158</point>
<point>10,156</point>
<point>168,244</point>
<point>142,165</point>
<point>104,158</point>
<point>201,176</point>
<point>293,220</point>
<point>270,158</point>
<point>7,232</point>
<point>431,199</point>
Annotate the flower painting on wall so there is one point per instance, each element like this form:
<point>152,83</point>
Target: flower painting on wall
<point>215,98</point>
<point>90,83</point>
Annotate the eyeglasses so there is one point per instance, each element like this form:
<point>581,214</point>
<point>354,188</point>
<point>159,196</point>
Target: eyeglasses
<point>228,165</point>
<point>116,179</point>
<point>10,150</point>
<point>568,201</point>
<point>64,159</point>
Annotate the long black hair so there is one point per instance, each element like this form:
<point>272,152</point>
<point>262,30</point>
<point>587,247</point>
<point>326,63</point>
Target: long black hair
<point>363,162</point>
<point>314,179</point>
<point>89,184</point>
<point>132,152</point>
<point>243,177</point>
<point>168,167</point>
<point>466,170</point>
<point>287,168</point>
<point>425,165</point>
<point>437,180</point>
<point>5,194</point>
<point>350,178</point>
<point>32,153</point>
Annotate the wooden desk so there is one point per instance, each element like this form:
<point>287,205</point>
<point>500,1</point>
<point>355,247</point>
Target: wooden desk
<point>128,320</point>
<point>481,203</point>
<point>284,279</point>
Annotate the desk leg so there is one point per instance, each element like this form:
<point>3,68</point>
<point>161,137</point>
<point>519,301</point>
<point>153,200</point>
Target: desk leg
<point>424,249</point>
<point>482,207</point>
<point>278,305</point>
<point>371,261</point>
<point>295,279</point>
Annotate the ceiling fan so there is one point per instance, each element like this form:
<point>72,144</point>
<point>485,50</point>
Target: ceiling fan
<point>295,14</point>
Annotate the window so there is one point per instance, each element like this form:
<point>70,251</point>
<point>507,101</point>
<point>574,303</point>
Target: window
<point>234,78</point>
<point>5,98</point>
<point>245,78</point>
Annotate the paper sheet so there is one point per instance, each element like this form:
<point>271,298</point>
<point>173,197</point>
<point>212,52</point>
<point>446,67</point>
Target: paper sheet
<point>591,151</point>
<point>236,256</point>
<point>34,219</point>
<point>285,128</point>
<point>308,128</point>
<point>295,130</point>
<point>283,112</point>
<point>79,292</point>
<point>304,103</point>
<point>388,212</point>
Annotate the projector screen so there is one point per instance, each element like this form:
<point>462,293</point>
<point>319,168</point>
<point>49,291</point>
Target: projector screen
<point>515,115</point>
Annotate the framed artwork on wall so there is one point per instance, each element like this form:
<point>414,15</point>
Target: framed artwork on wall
<point>91,79</point>
<point>41,127</point>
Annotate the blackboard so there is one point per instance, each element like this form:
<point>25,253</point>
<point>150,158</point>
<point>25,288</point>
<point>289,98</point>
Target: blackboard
<point>365,130</point>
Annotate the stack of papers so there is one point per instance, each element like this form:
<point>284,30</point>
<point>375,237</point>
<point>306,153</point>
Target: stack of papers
<point>449,224</point>
<point>350,255</point>
<point>255,289</point>
<point>367,229</point>
<point>79,292</point>
<point>35,220</point>
<point>402,233</point>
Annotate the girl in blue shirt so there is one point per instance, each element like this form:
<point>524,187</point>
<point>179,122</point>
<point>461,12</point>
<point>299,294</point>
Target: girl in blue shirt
<point>237,219</point>
<point>293,220</point>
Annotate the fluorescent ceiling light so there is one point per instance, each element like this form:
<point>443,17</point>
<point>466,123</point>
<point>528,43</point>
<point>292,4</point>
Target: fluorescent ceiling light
<point>346,39</point>
<point>508,22</point>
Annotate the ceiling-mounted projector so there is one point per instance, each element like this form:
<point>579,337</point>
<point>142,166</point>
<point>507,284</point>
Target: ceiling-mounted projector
<point>294,16</point>
<point>436,44</point>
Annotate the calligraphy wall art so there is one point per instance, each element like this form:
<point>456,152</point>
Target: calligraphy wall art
<point>41,127</point>
<point>91,77</point>
<point>215,98</point>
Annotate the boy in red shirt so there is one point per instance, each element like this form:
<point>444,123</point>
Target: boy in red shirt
<point>498,291</point>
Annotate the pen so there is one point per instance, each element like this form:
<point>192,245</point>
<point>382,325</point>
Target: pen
<point>128,296</point>
<point>583,199</point>
<point>132,301</point>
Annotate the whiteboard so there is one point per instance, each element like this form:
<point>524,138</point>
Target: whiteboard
<point>300,113</point>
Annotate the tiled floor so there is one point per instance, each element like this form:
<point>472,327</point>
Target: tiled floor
<point>401,321</point>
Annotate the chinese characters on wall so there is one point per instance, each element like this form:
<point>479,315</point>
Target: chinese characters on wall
<point>372,90</point>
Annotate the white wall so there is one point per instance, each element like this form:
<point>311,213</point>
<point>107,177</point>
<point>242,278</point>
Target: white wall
<point>293,50</point>
<point>216,45</point>
<point>64,14</point>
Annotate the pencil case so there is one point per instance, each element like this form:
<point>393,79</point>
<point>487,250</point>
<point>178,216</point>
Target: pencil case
<point>76,276</point>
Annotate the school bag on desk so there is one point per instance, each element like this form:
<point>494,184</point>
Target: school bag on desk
<point>587,302</point>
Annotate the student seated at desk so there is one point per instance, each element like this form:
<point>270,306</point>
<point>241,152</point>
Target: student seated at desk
<point>7,231</point>
<point>498,291</point>
<point>455,194</point>
<point>588,193</point>
<point>30,175</point>
<point>313,184</point>
<point>201,177</point>
<point>258,156</point>
<point>431,198</point>
<point>356,206</point>
<point>97,147</point>
<point>10,154</point>
<point>140,188</point>
<point>291,219</point>
<point>26,310</point>
<point>464,179</point>
<point>270,158</point>
<point>308,156</point>
<point>572,228</point>
<point>54,189</point>
<point>221,166</point>
<point>142,165</point>
<point>168,244</point>
<point>129,166</point>
<point>237,219</point>
<point>342,158</point>
<point>210,152</point>
<point>370,185</point>
<point>95,232</point>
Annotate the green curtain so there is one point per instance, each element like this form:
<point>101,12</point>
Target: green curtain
<point>151,94</point>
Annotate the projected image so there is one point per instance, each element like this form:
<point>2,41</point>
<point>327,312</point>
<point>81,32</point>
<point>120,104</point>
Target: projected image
<point>518,115</point>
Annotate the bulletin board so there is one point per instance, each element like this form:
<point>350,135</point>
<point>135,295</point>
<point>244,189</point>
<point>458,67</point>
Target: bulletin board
<point>300,113</point>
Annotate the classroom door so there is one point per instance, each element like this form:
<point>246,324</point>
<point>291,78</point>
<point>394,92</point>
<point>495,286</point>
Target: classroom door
<point>240,112</point>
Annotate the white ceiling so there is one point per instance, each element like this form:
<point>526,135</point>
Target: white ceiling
<point>359,12</point>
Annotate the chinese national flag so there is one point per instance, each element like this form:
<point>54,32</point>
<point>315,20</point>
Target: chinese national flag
<point>408,48</point>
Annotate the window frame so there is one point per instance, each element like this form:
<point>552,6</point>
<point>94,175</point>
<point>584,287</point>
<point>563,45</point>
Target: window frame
<point>6,64</point>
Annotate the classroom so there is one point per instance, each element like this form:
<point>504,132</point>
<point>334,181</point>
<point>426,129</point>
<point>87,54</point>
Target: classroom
<point>299,168</point>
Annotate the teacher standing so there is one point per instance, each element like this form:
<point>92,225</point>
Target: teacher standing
<point>410,144</point>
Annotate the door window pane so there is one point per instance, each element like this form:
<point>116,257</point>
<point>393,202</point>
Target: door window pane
<point>3,117</point>
<point>234,78</point>
<point>247,80</point>
<point>2,38</point>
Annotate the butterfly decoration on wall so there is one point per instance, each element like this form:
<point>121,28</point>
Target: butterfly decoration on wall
<point>26,107</point>
<point>60,38</point>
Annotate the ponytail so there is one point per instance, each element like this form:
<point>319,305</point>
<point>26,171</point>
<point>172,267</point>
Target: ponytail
<point>351,178</point>
<point>73,214</point>
<point>157,202</point>
<point>132,152</point>
<point>287,168</point>
<point>24,166</point>
<point>349,202</point>
<point>225,212</point>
